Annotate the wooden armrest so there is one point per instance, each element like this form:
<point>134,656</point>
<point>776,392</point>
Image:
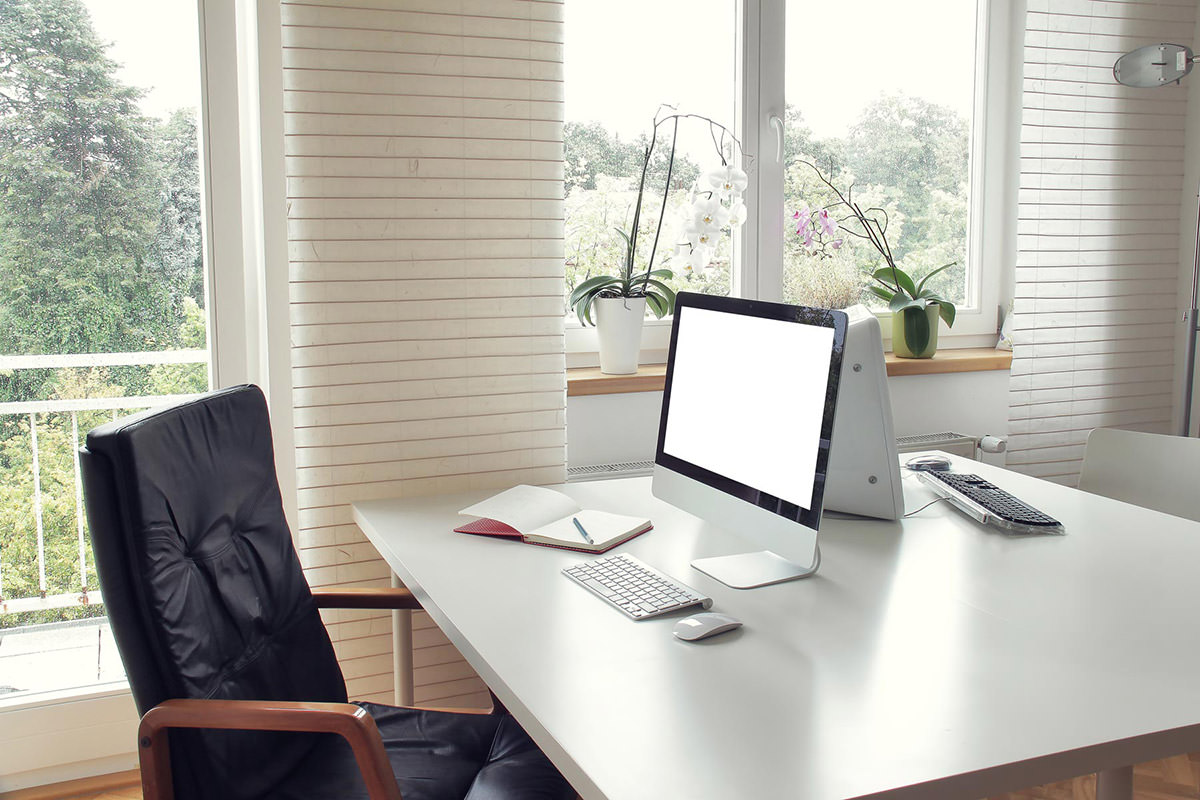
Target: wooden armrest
<point>365,598</point>
<point>349,721</point>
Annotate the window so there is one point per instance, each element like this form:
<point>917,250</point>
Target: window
<point>881,115</point>
<point>102,294</point>
<point>906,102</point>
<point>127,300</point>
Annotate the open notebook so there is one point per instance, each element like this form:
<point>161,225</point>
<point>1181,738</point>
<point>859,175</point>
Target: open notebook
<point>543,516</point>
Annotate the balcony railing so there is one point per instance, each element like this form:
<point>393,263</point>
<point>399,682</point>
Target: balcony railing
<point>87,592</point>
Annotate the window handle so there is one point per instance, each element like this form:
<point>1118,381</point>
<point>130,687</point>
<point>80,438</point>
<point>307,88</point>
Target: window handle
<point>777,124</point>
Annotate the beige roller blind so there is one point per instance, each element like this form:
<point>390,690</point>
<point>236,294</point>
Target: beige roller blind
<point>424,163</point>
<point>1099,217</point>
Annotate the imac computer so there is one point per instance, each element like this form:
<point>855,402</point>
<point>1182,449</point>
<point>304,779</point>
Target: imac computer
<point>748,437</point>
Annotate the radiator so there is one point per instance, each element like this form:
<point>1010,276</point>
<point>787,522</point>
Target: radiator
<point>956,444</point>
<point>603,472</point>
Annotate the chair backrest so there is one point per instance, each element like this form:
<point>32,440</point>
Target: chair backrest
<point>201,581</point>
<point>1147,469</point>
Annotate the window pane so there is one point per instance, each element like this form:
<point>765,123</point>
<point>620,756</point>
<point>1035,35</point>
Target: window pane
<point>102,292</point>
<point>885,111</point>
<point>618,74</point>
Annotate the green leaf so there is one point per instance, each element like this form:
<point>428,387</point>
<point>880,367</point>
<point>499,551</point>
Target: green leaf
<point>884,276</point>
<point>628,251</point>
<point>584,310</point>
<point>658,304</point>
<point>881,293</point>
<point>916,329</point>
<point>668,293</point>
<point>902,279</point>
<point>921,285</point>
<point>946,312</point>
<point>902,301</point>
<point>591,285</point>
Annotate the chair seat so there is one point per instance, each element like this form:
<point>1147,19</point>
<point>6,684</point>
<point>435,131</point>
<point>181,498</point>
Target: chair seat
<point>435,755</point>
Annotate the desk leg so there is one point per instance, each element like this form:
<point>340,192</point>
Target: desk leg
<point>1115,784</point>
<point>402,656</point>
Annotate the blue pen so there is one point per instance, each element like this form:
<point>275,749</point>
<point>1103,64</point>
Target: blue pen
<point>582,532</point>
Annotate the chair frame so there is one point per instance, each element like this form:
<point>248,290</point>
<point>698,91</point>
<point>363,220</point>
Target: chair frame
<point>347,720</point>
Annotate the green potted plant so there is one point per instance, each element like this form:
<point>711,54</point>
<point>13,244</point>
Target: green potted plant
<point>915,308</point>
<point>616,303</point>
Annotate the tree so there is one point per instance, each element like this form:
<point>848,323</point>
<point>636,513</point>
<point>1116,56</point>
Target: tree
<point>914,151</point>
<point>99,205</point>
<point>590,151</point>
<point>177,248</point>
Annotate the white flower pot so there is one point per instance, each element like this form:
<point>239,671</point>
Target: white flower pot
<point>619,325</point>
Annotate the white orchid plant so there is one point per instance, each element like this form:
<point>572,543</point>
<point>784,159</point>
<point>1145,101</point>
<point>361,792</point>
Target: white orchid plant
<point>714,206</point>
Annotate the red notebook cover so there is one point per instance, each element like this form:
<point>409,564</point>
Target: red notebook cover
<point>489,527</point>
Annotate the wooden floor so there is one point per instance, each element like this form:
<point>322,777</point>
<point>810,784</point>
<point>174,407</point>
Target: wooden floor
<point>1175,778</point>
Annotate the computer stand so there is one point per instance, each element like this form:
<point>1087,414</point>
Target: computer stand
<point>751,570</point>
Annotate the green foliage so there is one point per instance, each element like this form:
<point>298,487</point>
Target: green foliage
<point>591,153</point>
<point>100,251</point>
<point>100,237</point>
<point>57,442</point>
<point>909,299</point>
<point>904,156</point>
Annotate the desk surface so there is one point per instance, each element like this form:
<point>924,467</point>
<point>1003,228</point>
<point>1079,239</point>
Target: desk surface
<point>932,658</point>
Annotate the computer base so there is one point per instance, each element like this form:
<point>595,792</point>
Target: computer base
<point>750,570</point>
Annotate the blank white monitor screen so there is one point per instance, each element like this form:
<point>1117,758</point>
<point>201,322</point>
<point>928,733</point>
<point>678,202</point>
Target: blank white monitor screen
<point>748,409</point>
<point>749,400</point>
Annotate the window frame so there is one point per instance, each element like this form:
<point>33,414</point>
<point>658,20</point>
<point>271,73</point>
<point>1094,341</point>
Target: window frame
<point>994,138</point>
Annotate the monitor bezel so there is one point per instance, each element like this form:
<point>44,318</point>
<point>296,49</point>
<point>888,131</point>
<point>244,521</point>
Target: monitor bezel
<point>821,317</point>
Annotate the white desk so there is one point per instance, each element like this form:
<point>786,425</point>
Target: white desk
<point>930,659</point>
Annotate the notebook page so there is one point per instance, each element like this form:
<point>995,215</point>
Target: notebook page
<point>524,507</point>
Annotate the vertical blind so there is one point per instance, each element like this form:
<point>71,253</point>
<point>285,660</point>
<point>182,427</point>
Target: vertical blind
<point>1099,215</point>
<point>423,141</point>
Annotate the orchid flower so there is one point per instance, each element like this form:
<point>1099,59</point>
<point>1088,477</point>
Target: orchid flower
<point>709,213</point>
<point>701,236</point>
<point>827,224</point>
<point>803,218</point>
<point>728,181</point>
<point>737,213</point>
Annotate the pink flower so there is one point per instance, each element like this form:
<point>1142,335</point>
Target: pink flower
<point>807,234</point>
<point>803,219</point>
<point>836,243</point>
<point>827,224</point>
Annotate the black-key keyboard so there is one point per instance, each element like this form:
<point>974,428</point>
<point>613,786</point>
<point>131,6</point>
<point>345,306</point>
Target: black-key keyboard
<point>989,503</point>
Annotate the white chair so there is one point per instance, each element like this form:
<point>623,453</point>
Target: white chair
<point>1152,470</point>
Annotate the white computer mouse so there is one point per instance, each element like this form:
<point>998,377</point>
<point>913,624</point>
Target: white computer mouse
<point>702,626</point>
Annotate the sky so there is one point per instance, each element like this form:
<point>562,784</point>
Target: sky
<point>624,57</point>
<point>157,45</point>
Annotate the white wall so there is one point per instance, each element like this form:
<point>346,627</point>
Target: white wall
<point>603,429</point>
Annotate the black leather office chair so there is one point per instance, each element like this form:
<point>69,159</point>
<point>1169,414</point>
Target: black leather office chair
<point>223,643</point>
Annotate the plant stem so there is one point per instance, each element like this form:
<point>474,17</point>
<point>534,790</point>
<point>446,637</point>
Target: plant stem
<point>663,210</point>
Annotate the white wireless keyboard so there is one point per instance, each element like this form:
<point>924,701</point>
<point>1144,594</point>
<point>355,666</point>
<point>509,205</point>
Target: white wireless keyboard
<point>636,589</point>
